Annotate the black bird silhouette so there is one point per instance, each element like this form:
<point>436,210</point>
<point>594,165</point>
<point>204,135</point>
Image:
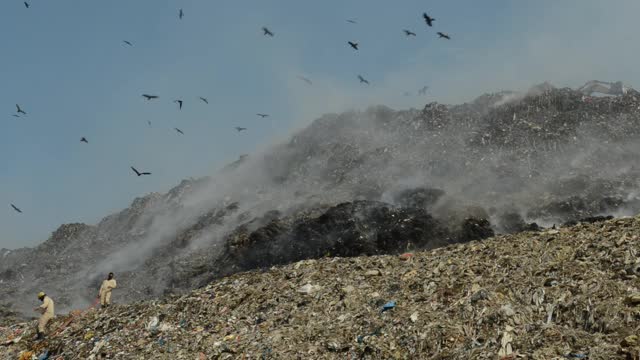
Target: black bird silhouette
<point>16,208</point>
<point>127,42</point>
<point>409,33</point>
<point>443,35</point>
<point>84,140</point>
<point>181,14</point>
<point>351,21</point>
<point>427,19</point>
<point>178,130</point>
<point>149,97</point>
<point>267,32</point>
<point>305,80</point>
<point>423,91</point>
<point>26,4</point>
<point>204,100</point>
<point>240,128</point>
<point>353,45</point>
<point>263,115</point>
<point>363,80</point>
<point>19,110</point>
<point>139,173</point>
<point>149,122</point>
<point>179,102</point>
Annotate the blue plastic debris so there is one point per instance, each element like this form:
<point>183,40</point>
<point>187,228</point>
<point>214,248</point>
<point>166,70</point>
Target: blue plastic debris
<point>576,356</point>
<point>388,306</point>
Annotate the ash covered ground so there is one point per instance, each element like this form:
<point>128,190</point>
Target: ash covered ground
<point>358,183</point>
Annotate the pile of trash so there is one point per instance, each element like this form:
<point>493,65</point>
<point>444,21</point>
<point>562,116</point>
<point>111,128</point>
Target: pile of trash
<point>371,182</point>
<point>568,293</point>
<point>8,317</point>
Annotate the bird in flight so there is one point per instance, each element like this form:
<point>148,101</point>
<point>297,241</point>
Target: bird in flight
<point>409,33</point>
<point>363,80</point>
<point>427,19</point>
<point>423,91</point>
<point>263,115</point>
<point>179,102</point>
<point>443,35</point>
<point>149,97</point>
<point>204,100</point>
<point>26,4</point>
<point>305,80</point>
<point>19,110</point>
<point>16,208</point>
<point>267,32</point>
<point>179,131</point>
<point>240,128</point>
<point>351,21</point>
<point>180,14</point>
<point>84,140</point>
<point>353,45</point>
<point>127,42</point>
<point>139,173</point>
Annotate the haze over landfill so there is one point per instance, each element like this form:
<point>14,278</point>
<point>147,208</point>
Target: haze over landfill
<point>70,70</point>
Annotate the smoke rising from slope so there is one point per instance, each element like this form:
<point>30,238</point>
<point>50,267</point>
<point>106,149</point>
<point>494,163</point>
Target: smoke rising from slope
<point>551,156</point>
<point>524,157</point>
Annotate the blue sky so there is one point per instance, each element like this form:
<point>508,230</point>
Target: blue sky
<point>64,62</point>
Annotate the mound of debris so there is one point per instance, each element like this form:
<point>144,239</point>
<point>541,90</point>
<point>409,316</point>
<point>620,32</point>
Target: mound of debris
<point>347,229</point>
<point>567,293</point>
<point>9,317</point>
<point>358,183</point>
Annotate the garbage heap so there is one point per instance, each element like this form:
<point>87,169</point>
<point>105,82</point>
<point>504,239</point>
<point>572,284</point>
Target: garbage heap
<point>572,292</point>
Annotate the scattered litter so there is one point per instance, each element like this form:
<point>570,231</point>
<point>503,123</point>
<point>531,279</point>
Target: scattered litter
<point>153,323</point>
<point>576,356</point>
<point>372,273</point>
<point>633,299</point>
<point>376,332</point>
<point>26,355</point>
<point>309,289</point>
<point>414,317</point>
<point>406,256</point>
<point>388,306</point>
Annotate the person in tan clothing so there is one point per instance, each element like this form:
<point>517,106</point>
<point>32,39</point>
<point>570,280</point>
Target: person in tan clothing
<point>47,311</point>
<point>105,290</point>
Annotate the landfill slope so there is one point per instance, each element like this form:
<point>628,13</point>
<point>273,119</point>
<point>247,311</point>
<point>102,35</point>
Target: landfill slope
<point>370,182</point>
<point>570,293</point>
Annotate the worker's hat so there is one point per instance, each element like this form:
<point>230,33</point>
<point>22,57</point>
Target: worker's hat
<point>41,294</point>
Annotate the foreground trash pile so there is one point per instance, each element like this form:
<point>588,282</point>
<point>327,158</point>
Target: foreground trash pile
<point>569,293</point>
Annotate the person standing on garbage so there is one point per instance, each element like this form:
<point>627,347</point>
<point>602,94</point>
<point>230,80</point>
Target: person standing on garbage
<point>105,290</point>
<point>47,314</point>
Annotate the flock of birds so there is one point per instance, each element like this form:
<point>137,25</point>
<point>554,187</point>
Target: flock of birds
<point>266,32</point>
